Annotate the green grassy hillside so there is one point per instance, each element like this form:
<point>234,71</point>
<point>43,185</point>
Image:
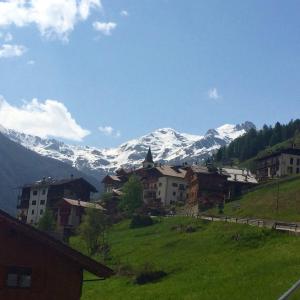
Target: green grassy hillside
<point>262,202</point>
<point>218,261</point>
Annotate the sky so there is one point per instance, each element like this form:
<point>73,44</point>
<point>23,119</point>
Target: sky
<point>100,73</point>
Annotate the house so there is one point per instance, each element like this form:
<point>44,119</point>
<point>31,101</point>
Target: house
<point>114,182</point>
<point>284,162</point>
<point>47,193</point>
<point>239,181</point>
<point>70,213</point>
<point>207,187</point>
<point>162,184</point>
<point>35,266</point>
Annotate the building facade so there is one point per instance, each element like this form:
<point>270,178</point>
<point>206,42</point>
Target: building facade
<point>282,163</point>
<point>45,194</point>
<point>35,266</point>
<point>206,187</point>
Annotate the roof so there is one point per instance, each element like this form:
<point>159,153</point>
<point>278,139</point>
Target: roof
<point>118,192</point>
<point>116,178</point>
<point>83,204</point>
<point>293,151</point>
<point>49,181</point>
<point>78,258</point>
<point>240,175</point>
<point>166,170</point>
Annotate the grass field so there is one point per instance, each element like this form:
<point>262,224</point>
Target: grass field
<point>262,202</point>
<point>218,261</point>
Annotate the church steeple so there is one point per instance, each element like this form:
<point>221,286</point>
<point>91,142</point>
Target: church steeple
<point>148,162</point>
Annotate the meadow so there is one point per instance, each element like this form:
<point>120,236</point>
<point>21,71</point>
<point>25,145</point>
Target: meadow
<point>212,261</point>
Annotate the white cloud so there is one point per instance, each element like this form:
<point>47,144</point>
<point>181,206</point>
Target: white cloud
<point>109,131</point>
<point>8,50</point>
<point>124,13</point>
<point>45,119</point>
<point>54,18</point>
<point>214,94</point>
<point>31,62</point>
<point>105,28</point>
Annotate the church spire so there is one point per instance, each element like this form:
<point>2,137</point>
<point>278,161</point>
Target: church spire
<point>148,162</point>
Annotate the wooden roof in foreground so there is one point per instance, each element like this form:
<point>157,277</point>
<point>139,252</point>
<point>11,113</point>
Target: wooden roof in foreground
<point>78,258</point>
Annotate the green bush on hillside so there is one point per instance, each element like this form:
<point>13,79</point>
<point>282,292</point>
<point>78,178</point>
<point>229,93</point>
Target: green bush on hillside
<point>138,221</point>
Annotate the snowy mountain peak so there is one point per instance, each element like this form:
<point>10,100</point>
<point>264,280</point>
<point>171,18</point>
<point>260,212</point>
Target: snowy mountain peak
<point>167,145</point>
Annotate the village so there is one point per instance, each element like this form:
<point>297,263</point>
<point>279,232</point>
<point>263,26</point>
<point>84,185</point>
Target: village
<point>166,190</point>
<point>191,188</point>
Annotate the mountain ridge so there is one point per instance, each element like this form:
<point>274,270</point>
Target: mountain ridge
<point>167,145</point>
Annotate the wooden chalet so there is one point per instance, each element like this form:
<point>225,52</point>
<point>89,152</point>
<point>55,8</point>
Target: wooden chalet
<point>114,182</point>
<point>70,213</point>
<point>35,266</point>
<point>207,187</point>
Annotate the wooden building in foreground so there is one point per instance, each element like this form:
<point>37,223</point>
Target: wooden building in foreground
<point>35,266</point>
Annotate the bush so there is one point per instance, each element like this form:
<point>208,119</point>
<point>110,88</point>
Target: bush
<point>184,228</point>
<point>138,221</point>
<point>148,274</point>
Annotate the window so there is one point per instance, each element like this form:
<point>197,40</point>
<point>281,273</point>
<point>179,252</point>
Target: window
<point>41,212</point>
<point>32,212</point>
<point>18,277</point>
<point>290,170</point>
<point>174,184</point>
<point>291,161</point>
<point>34,193</point>
<point>158,192</point>
<point>298,162</point>
<point>42,202</point>
<point>43,192</point>
<point>174,193</point>
<point>160,184</point>
<point>298,170</point>
<point>33,202</point>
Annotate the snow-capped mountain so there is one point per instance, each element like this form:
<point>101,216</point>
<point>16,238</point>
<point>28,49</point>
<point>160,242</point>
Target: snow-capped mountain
<point>167,145</point>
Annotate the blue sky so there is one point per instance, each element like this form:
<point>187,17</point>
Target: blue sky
<point>190,65</point>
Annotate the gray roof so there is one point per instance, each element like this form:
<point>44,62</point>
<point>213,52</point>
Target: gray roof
<point>240,175</point>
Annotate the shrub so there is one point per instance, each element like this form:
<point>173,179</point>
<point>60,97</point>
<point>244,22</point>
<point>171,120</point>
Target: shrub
<point>149,274</point>
<point>184,228</point>
<point>138,221</point>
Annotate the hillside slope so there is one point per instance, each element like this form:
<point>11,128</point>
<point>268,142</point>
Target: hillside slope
<point>210,263</point>
<point>19,165</point>
<point>262,202</point>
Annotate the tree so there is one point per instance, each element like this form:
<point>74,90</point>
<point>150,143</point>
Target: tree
<point>132,197</point>
<point>93,231</point>
<point>47,222</point>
